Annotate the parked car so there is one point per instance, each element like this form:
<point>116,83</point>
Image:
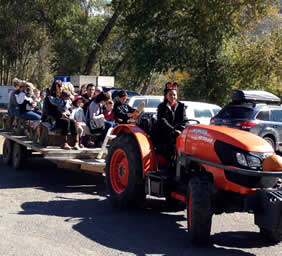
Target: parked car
<point>256,112</point>
<point>200,111</point>
<point>203,112</point>
<point>151,102</point>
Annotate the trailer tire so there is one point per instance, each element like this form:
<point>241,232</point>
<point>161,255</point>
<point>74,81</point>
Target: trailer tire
<point>124,173</point>
<point>271,235</point>
<point>199,210</point>
<point>19,155</point>
<point>43,137</point>
<point>7,151</point>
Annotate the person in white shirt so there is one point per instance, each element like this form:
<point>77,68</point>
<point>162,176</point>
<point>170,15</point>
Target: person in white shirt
<point>80,122</point>
<point>26,104</point>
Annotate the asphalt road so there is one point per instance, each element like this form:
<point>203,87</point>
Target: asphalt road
<point>50,211</point>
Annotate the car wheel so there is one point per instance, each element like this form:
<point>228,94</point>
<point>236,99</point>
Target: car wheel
<point>271,142</point>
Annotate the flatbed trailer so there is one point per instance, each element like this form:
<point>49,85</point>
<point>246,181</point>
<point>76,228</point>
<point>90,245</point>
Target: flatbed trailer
<point>16,149</point>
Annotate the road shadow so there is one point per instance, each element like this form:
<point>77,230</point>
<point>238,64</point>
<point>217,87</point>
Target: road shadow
<point>42,174</point>
<point>242,239</point>
<point>153,230</point>
<point>146,231</point>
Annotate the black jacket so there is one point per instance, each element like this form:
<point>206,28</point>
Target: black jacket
<point>50,110</point>
<point>169,120</point>
<point>121,111</point>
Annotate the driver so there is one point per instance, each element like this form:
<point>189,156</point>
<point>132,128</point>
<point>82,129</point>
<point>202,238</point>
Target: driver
<point>172,120</point>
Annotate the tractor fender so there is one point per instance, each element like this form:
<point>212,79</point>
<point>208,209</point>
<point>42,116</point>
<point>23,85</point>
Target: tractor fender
<point>149,161</point>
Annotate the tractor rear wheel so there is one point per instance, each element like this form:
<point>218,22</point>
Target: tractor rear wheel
<point>271,235</point>
<point>199,210</point>
<point>124,172</point>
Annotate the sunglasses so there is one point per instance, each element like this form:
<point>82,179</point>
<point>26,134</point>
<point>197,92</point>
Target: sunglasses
<point>171,86</point>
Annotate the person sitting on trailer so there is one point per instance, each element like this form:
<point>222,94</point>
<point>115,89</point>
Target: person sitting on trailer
<point>53,111</point>
<point>80,122</point>
<point>123,112</point>
<point>26,103</point>
<point>171,121</point>
<point>13,107</point>
<point>95,117</point>
<point>88,96</point>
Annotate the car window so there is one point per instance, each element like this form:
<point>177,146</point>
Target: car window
<point>235,112</point>
<point>263,115</point>
<point>153,103</point>
<point>199,113</point>
<point>137,102</point>
<point>276,115</point>
<point>216,110</point>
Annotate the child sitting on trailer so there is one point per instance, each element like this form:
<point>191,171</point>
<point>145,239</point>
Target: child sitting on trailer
<point>80,122</point>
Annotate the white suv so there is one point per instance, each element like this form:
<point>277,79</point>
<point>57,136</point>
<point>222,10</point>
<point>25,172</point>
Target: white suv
<point>151,102</point>
<point>201,111</point>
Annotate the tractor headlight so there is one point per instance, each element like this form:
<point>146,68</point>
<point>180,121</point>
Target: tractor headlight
<point>253,162</point>
<point>247,160</point>
<point>241,159</point>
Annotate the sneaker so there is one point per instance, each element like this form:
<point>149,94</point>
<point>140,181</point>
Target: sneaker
<point>66,146</point>
<point>76,146</point>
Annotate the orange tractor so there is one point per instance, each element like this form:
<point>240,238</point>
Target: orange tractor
<point>216,170</point>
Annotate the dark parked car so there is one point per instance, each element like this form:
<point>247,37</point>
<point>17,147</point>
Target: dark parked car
<point>254,111</point>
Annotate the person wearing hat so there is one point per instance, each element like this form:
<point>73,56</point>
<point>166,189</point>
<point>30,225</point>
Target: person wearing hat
<point>80,122</point>
<point>98,89</point>
<point>123,112</point>
<point>172,120</point>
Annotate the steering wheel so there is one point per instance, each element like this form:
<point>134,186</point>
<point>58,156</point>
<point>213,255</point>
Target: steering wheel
<point>194,120</point>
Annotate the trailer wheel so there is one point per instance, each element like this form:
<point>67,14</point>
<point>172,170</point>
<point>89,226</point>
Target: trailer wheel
<point>271,235</point>
<point>43,137</point>
<point>124,172</point>
<point>19,155</point>
<point>7,151</point>
<point>199,210</point>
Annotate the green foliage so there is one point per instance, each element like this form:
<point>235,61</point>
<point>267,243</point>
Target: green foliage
<point>208,46</point>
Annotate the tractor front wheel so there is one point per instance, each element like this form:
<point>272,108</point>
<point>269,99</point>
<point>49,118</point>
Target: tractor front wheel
<point>124,172</point>
<point>199,210</point>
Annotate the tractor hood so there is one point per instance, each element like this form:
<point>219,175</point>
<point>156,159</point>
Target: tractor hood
<point>199,140</point>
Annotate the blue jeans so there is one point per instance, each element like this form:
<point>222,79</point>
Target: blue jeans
<point>30,115</point>
<point>108,125</point>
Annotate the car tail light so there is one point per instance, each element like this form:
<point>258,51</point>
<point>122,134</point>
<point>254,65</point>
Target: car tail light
<point>212,120</point>
<point>246,124</point>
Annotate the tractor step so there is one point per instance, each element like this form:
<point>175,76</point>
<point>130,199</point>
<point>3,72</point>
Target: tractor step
<point>157,182</point>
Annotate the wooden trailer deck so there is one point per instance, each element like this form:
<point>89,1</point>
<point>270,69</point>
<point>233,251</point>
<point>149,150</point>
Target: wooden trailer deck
<point>86,159</point>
